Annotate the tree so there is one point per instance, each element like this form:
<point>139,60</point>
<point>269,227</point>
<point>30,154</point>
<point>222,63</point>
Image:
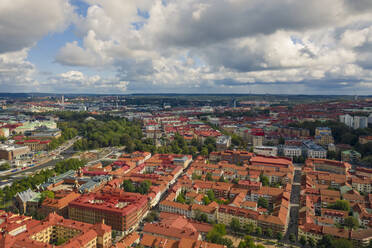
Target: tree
<point>351,222</point>
<point>341,205</point>
<point>311,241</point>
<point>206,200</point>
<point>269,232</point>
<point>210,195</point>
<point>208,177</point>
<point>45,194</point>
<point>235,225</point>
<point>264,180</point>
<point>180,198</point>
<point>342,243</point>
<point>262,202</point>
<point>248,228</point>
<point>128,186</point>
<point>258,231</point>
<point>204,152</point>
<point>303,240</point>
<point>4,166</point>
<point>292,237</point>
<point>325,242</point>
<point>279,236</point>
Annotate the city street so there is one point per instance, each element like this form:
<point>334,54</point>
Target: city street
<point>294,204</point>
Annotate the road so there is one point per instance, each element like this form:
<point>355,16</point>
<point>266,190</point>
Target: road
<point>294,204</point>
<point>65,150</point>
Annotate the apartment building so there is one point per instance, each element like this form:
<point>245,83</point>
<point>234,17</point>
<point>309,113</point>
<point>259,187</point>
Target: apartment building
<point>54,228</point>
<point>120,210</point>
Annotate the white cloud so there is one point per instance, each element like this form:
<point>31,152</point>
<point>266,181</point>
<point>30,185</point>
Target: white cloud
<point>24,22</point>
<point>196,45</point>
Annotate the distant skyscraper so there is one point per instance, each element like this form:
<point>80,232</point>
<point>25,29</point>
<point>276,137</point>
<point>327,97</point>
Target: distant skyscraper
<point>63,100</point>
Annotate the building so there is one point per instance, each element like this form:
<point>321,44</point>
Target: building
<point>150,241</point>
<point>27,201</point>
<point>35,144</point>
<point>13,152</point>
<point>354,122</point>
<point>120,210</point>
<point>360,122</point>
<point>223,142</point>
<point>312,150</point>
<point>266,150</point>
<point>323,136</point>
<point>347,119</point>
<point>350,156</point>
<point>51,232</point>
<point>292,151</point>
<point>332,166</point>
<point>59,204</point>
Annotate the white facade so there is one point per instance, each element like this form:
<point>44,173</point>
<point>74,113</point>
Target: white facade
<point>356,121</point>
<point>266,150</point>
<point>360,122</point>
<point>292,151</point>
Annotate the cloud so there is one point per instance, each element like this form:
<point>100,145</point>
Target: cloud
<point>16,74</point>
<point>284,46</point>
<point>24,22</point>
<point>78,82</point>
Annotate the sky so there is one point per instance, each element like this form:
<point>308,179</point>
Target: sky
<point>186,46</point>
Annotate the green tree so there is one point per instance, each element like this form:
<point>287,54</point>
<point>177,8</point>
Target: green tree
<point>4,166</point>
<point>204,152</point>
<point>351,222</point>
<point>45,194</point>
<point>341,205</point>
<point>180,199</point>
<point>258,231</point>
<point>279,236</point>
<point>208,177</point>
<point>303,240</point>
<point>235,225</point>
<point>248,228</point>
<point>311,241</point>
<point>211,195</point>
<point>325,242</point>
<point>264,180</point>
<point>262,202</point>
<point>128,186</point>
<point>342,243</point>
<point>269,232</point>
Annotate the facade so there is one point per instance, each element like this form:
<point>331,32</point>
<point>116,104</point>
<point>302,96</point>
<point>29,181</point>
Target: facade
<point>59,204</point>
<point>120,210</point>
<point>13,152</point>
<point>350,156</point>
<point>55,230</point>
<point>354,122</point>
<point>312,150</point>
<point>27,201</point>
<point>223,142</point>
<point>266,150</point>
<point>292,151</point>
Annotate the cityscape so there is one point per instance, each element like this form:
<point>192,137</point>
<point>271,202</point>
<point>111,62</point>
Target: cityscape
<point>185,171</point>
<point>185,123</point>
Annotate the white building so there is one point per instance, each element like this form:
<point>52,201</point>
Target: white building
<point>347,119</point>
<point>360,122</point>
<point>356,121</point>
<point>292,151</point>
<point>266,150</point>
